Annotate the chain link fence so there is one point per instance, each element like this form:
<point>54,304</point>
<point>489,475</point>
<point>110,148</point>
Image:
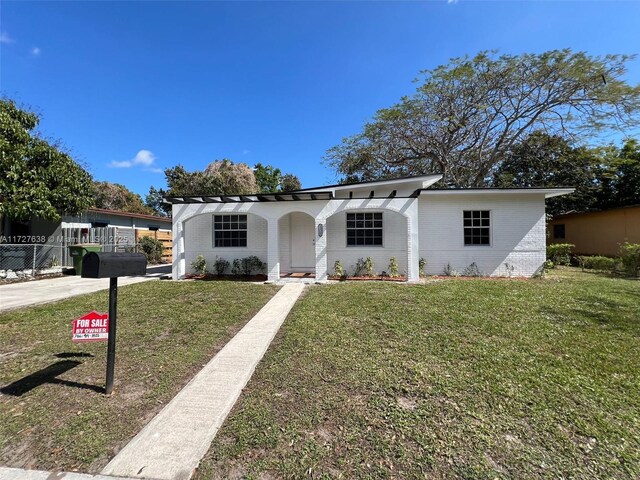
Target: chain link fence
<point>28,260</point>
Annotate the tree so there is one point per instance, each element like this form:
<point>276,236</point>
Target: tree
<point>271,179</point>
<point>267,177</point>
<point>289,183</point>
<point>37,178</point>
<point>542,160</point>
<point>221,177</point>
<point>619,176</point>
<point>154,200</point>
<point>113,196</point>
<point>465,116</point>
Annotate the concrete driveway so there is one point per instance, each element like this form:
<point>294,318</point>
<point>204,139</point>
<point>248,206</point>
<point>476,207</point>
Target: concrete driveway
<point>25,294</point>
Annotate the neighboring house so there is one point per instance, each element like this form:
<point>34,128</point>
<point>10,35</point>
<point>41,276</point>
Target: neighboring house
<point>501,230</point>
<point>597,233</point>
<point>113,229</point>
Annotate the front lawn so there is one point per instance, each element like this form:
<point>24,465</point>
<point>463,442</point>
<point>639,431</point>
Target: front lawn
<point>53,414</point>
<point>453,379</point>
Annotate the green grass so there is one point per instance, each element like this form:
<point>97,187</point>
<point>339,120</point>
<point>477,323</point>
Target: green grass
<point>452,379</point>
<point>166,332</point>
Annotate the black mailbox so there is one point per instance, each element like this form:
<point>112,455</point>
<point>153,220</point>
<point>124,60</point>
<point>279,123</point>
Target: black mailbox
<point>110,265</point>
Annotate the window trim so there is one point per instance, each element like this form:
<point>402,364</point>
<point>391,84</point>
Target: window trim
<point>346,230</point>
<point>490,227</point>
<point>213,229</point>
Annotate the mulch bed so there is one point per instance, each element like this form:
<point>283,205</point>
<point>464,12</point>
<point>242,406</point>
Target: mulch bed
<point>374,278</point>
<point>229,278</point>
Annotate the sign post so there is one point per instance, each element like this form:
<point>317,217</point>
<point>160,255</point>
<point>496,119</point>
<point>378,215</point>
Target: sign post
<point>112,266</point>
<point>111,343</point>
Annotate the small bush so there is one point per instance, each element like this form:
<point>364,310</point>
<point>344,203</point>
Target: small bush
<point>152,248</point>
<point>393,267</point>
<point>597,262</point>
<point>252,264</point>
<point>548,265</point>
<point>560,253</point>
<point>359,268</point>
<point>509,268</point>
<point>338,270</point>
<point>220,265</point>
<point>368,267</point>
<point>472,271</point>
<point>630,258</point>
<point>449,271</point>
<point>422,264</point>
<point>199,265</point>
<point>236,268</point>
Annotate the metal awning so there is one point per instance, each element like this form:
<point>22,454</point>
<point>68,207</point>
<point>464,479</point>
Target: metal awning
<point>259,197</point>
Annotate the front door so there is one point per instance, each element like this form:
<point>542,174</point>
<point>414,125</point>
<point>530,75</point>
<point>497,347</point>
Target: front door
<point>303,251</point>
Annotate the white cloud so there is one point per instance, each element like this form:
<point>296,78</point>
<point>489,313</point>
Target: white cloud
<point>452,1</point>
<point>154,170</point>
<point>5,38</point>
<point>144,158</point>
<point>35,51</point>
<point>246,151</point>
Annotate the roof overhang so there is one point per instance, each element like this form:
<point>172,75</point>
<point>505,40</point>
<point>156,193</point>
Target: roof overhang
<point>259,197</point>
<point>548,192</point>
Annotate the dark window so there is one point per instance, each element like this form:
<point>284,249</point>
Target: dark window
<point>477,227</point>
<point>558,230</point>
<point>229,230</point>
<point>153,229</point>
<point>99,224</point>
<point>364,228</point>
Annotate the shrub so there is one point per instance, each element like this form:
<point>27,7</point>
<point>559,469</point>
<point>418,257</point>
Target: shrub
<point>548,265</point>
<point>252,264</point>
<point>368,267</point>
<point>393,267</point>
<point>509,268</point>
<point>597,262</point>
<point>630,258</point>
<point>338,270</point>
<point>220,265</point>
<point>199,265</point>
<point>359,268</point>
<point>236,269</point>
<point>449,271</point>
<point>560,253</point>
<point>152,248</point>
<point>422,264</point>
<point>472,271</point>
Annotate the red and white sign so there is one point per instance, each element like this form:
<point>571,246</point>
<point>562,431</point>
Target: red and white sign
<point>93,327</point>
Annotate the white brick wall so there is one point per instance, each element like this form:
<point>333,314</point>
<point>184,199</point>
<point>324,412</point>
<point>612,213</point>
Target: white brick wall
<point>199,241</point>
<point>394,243</point>
<point>517,230</point>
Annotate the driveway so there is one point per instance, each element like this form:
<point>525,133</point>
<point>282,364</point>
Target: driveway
<point>24,294</point>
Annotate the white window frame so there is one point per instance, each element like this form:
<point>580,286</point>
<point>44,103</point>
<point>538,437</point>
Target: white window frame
<point>490,227</point>
<point>237,221</point>
<point>346,232</point>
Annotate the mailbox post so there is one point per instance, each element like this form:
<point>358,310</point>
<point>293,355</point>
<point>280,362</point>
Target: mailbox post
<point>112,266</point>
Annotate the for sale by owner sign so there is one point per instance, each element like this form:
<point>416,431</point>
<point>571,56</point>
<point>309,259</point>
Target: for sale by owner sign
<point>93,327</point>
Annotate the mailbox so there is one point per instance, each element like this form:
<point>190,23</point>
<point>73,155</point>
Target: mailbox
<point>111,265</point>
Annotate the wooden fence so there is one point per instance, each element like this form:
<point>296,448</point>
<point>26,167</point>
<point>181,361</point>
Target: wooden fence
<point>165,237</point>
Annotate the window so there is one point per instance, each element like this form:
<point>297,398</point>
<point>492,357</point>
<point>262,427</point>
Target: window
<point>229,230</point>
<point>558,230</point>
<point>477,226</point>
<point>364,229</point>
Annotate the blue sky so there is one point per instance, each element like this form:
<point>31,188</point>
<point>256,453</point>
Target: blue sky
<point>134,87</point>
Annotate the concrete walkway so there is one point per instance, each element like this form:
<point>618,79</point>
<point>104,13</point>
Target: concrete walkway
<point>35,292</point>
<point>171,446</point>
<point>7,473</point>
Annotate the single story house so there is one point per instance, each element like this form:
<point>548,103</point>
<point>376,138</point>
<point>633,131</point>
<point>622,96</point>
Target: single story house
<point>597,233</point>
<point>501,230</point>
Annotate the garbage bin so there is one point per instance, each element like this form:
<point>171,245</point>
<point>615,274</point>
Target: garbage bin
<point>78,252</point>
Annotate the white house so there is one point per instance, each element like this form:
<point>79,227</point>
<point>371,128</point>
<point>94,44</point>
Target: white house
<point>501,230</point>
